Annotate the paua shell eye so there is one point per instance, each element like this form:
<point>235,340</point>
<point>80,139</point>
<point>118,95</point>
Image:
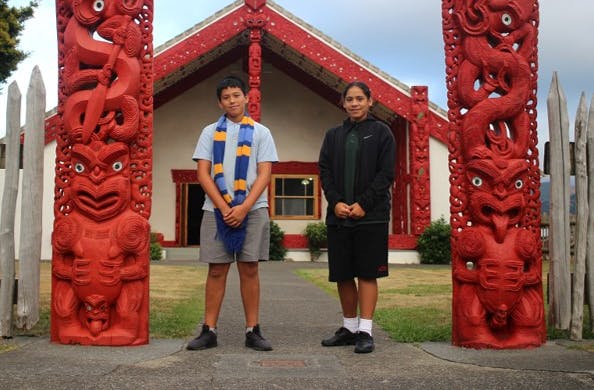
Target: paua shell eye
<point>506,19</point>
<point>519,184</point>
<point>117,166</point>
<point>477,181</point>
<point>98,5</point>
<point>79,168</point>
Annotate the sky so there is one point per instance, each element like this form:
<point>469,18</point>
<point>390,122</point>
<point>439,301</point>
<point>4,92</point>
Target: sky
<point>401,37</point>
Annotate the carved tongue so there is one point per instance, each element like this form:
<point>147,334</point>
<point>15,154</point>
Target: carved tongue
<point>95,327</point>
<point>500,221</point>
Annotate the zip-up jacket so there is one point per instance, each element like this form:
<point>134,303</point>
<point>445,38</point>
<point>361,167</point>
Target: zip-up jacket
<point>374,174</point>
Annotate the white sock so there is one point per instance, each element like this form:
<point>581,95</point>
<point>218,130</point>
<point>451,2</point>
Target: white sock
<point>351,324</point>
<point>365,325</point>
<point>249,329</point>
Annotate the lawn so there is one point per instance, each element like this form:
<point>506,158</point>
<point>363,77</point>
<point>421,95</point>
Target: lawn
<point>176,300</point>
<point>414,302</point>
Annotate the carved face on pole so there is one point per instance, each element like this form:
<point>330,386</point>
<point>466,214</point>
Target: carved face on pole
<point>496,193</point>
<point>100,185</point>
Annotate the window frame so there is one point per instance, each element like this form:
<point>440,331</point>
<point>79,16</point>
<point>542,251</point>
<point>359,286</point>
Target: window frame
<point>315,197</point>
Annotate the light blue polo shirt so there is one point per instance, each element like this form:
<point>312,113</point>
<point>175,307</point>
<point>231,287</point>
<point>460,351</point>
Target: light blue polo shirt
<point>263,150</point>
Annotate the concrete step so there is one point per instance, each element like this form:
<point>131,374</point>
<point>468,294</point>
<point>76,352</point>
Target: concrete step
<point>181,253</point>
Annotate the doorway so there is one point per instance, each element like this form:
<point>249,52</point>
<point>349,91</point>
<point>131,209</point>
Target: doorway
<point>192,201</point>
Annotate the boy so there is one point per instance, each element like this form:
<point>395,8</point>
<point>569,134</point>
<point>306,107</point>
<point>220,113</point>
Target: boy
<point>235,157</point>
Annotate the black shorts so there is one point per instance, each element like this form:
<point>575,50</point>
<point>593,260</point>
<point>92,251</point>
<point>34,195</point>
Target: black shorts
<point>357,252</point>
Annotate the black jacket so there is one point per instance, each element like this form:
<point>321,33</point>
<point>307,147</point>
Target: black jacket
<point>375,168</point>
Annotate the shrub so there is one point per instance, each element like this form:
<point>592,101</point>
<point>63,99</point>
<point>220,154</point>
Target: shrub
<point>156,251</point>
<point>434,244</point>
<point>277,250</point>
<point>317,237</point>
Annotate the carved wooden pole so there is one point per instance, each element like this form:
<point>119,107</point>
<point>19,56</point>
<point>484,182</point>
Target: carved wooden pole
<point>581,226</point>
<point>100,259</point>
<point>9,198</point>
<point>491,66</point>
<point>419,158</point>
<point>590,250</point>
<point>559,230</point>
<point>255,20</point>
<point>31,205</point>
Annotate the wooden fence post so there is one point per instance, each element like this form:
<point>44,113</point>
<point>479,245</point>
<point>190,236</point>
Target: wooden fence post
<point>9,198</point>
<point>31,206</point>
<point>590,251</point>
<point>581,226</point>
<point>559,242</point>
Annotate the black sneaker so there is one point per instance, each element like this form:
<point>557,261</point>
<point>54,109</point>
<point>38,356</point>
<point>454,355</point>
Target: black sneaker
<point>255,340</point>
<point>364,343</point>
<point>206,339</point>
<point>343,336</point>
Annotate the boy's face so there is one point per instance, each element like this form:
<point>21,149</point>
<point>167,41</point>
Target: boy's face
<point>233,102</point>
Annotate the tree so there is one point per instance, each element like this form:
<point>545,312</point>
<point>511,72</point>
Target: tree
<point>12,22</point>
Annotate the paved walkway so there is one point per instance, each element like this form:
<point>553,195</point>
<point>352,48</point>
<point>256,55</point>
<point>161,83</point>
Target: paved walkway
<point>295,316</point>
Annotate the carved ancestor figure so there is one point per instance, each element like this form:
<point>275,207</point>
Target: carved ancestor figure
<point>100,262</point>
<point>100,252</point>
<point>497,269</point>
<point>496,255</point>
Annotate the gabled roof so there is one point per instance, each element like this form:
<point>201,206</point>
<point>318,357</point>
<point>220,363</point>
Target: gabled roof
<point>295,47</point>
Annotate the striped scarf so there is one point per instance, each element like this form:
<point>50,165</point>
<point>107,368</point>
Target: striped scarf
<point>233,238</point>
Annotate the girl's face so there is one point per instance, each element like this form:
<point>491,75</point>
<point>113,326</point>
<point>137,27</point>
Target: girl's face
<point>356,104</point>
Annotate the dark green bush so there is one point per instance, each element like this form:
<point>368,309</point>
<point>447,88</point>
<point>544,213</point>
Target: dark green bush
<point>434,244</point>
<point>317,237</point>
<point>277,250</point>
<point>156,251</point>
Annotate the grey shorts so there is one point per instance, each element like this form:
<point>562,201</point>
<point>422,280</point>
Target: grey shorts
<point>255,247</point>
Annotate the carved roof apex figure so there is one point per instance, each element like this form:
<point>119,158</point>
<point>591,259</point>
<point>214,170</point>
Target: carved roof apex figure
<point>255,4</point>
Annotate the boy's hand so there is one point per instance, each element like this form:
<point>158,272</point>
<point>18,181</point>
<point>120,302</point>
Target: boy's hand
<point>235,216</point>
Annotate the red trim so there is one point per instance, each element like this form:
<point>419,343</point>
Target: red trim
<point>395,241</point>
<point>295,168</point>
<point>184,175</point>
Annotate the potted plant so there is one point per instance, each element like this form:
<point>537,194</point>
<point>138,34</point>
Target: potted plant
<point>317,238</point>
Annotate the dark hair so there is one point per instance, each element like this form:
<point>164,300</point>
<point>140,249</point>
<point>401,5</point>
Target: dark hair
<point>360,84</point>
<point>231,82</point>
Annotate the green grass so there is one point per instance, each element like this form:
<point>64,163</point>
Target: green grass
<point>176,301</point>
<point>415,324</point>
<point>415,304</point>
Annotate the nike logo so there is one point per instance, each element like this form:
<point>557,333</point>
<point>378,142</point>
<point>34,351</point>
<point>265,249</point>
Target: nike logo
<point>369,136</point>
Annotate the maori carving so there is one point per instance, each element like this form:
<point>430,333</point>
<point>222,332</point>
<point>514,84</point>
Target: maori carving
<point>100,263</point>
<point>419,152</point>
<point>255,23</point>
<point>491,69</point>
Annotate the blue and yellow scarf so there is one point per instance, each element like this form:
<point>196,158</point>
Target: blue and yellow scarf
<point>233,238</point>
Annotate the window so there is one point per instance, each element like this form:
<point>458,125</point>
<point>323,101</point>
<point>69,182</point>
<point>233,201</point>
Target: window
<point>294,197</point>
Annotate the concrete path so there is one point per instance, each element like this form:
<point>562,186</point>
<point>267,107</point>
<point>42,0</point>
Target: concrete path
<point>295,316</point>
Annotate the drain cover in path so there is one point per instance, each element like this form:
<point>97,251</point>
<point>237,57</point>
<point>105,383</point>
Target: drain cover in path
<point>250,365</point>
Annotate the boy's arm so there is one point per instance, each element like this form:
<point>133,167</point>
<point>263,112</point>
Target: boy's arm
<point>209,186</point>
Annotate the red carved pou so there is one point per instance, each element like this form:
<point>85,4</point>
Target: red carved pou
<point>100,262</point>
<point>491,69</point>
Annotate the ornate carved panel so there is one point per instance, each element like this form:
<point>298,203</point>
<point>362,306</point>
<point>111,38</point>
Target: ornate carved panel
<point>491,64</point>
<point>100,262</point>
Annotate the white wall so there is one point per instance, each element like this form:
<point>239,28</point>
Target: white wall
<point>440,180</point>
<point>48,202</point>
<point>297,117</point>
